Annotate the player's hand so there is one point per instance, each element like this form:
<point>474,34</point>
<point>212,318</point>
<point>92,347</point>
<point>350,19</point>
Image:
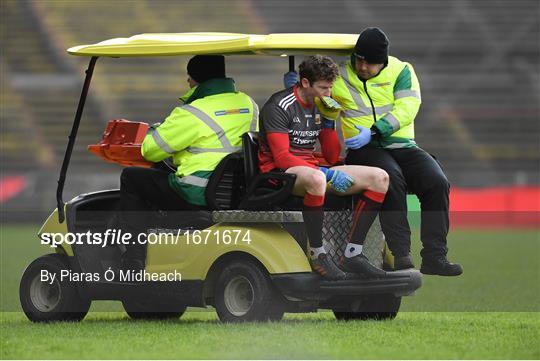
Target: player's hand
<point>338,180</point>
<point>289,79</point>
<point>358,141</point>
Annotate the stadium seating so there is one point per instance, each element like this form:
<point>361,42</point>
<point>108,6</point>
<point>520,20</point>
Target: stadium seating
<point>477,67</point>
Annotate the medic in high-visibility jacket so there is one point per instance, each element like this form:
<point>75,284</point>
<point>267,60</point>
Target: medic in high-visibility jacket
<point>197,136</point>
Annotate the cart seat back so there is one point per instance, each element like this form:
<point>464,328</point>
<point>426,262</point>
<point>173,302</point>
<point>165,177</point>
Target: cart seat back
<point>226,185</point>
<point>250,150</point>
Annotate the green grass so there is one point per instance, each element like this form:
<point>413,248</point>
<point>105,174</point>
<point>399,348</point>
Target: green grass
<point>501,274</point>
<point>198,335</point>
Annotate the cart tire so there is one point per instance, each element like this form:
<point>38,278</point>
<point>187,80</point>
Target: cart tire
<point>244,293</point>
<point>148,310</point>
<point>50,302</point>
<point>376,307</point>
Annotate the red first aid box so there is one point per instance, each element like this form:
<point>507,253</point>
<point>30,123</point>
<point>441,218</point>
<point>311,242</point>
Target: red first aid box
<point>121,143</point>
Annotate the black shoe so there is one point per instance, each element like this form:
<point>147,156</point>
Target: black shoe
<point>360,264</point>
<point>325,267</point>
<point>441,267</point>
<point>403,262</point>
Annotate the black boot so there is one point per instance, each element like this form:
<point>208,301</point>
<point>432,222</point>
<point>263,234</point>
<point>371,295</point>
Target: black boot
<point>440,266</point>
<point>324,266</point>
<point>403,262</point>
<point>360,264</point>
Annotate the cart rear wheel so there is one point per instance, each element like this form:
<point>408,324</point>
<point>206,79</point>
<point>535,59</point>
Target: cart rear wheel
<point>376,307</point>
<point>245,293</point>
<point>46,300</point>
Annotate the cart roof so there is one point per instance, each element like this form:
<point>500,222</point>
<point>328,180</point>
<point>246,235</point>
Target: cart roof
<point>219,43</point>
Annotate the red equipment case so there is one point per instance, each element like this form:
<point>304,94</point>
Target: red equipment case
<point>121,143</point>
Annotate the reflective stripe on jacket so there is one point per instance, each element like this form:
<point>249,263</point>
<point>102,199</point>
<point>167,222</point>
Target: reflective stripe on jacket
<point>200,134</point>
<point>395,94</point>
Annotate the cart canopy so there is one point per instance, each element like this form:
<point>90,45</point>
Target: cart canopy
<point>219,43</point>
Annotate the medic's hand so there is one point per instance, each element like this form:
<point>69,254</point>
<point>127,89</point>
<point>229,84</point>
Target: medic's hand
<point>337,179</point>
<point>289,79</point>
<point>358,141</point>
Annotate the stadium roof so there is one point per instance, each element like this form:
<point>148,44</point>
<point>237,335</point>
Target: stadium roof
<point>219,43</point>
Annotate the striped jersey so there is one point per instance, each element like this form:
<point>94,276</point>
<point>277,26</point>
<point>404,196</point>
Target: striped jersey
<point>285,112</point>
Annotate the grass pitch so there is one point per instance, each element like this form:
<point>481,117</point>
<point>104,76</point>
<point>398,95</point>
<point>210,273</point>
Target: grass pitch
<point>198,335</point>
<point>501,274</point>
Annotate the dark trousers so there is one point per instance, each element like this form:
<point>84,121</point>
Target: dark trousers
<point>143,192</point>
<point>414,170</point>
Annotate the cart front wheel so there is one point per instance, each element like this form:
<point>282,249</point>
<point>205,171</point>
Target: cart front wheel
<point>46,297</point>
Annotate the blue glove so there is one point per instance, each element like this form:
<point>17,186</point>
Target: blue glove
<point>358,141</point>
<point>337,179</point>
<point>289,79</point>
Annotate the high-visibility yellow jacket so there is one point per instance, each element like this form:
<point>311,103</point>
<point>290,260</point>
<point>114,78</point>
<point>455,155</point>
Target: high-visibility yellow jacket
<point>198,135</point>
<point>395,96</point>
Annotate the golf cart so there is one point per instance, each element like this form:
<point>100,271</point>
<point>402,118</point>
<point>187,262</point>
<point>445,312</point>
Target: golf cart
<point>253,279</point>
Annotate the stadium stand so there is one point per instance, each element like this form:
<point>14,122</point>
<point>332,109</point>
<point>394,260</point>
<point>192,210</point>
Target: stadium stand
<point>478,70</point>
<point>478,67</point>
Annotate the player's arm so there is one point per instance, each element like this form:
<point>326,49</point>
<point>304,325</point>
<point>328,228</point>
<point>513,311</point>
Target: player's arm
<point>283,158</point>
<point>276,123</point>
<point>330,146</point>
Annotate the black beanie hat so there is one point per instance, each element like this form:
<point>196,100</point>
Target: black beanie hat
<point>205,67</point>
<point>372,46</point>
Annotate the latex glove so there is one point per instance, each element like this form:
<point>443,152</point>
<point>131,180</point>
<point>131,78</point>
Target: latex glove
<point>358,141</point>
<point>289,79</point>
<point>337,179</point>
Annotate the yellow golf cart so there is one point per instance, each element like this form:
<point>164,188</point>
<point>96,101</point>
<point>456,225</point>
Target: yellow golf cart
<point>243,255</point>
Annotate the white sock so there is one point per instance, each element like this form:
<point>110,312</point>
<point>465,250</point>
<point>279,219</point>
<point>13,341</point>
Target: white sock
<point>315,252</point>
<point>352,250</point>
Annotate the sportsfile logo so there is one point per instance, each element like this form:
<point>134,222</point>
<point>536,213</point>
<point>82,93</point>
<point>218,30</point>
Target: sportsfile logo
<point>117,237</point>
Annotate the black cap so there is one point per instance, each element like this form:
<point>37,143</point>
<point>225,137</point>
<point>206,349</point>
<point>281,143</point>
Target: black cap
<point>372,46</point>
<point>205,67</point>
